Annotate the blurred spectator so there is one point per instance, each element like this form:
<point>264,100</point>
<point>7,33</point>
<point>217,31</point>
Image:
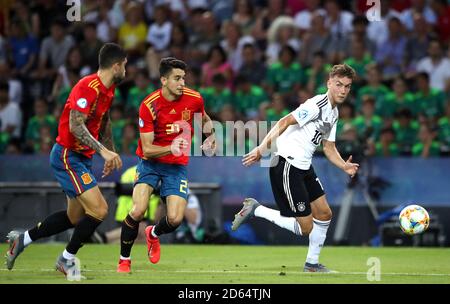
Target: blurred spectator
<point>368,125</point>
<point>90,46</point>
<point>281,32</point>
<point>337,20</point>
<point>317,39</point>
<point>378,31</point>
<point>359,60</point>
<point>317,74</point>
<point>22,14</point>
<point>129,140</point>
<point>233,44</point>
<point>24,49</point>
<point>204,36</point>
<point>349,143</point>
<point>346,116</point>
<point>390,54</point>
<point>69,74</point>
<point>217,64</point>
<point>304,17</point>
<point>243,16</point>
<point>40,119</point>
<point>418,42</point>
<point>217,95</point>
<point>387,146</point>
<point>159,32</point>
<point>252,68</point>
<point>398,99</point>
<point>360,24</point>
<point>10,113</point>
<point>54,50</point>
<point>442,10</point>
<point>45,142</point>
<point>427,145</point>
<point>286,75</point>
<point>373,88</point>
<point>418,7</point>
<point>15,86</point>
<point>429,102</point>
<point>444,131</point>
<point>436,65</point>
<point>137,93</point>
<point>44,15</point>
<point>117,122</point>
<point>277,109</point>
<point>133,32</point>
<point>248,97</point>
<point>405,131</point>
<point>265,19</point>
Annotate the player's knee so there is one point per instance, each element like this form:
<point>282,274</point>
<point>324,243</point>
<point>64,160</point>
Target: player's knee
<point>137,213</point>
<point>100,212</point>
<point>325,215</point>
<point>174,220</point>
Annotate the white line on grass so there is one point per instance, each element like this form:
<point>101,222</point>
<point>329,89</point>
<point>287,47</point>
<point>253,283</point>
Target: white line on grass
<point>243,272</point>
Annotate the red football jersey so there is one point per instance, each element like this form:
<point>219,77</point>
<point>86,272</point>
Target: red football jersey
<point>168,120</point>
<point>91,97</point>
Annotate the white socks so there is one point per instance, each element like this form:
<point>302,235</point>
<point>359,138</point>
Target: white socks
<point>26,239</point>
<point>67,255</point>
<point>289,223</point>
<point>316,240</point>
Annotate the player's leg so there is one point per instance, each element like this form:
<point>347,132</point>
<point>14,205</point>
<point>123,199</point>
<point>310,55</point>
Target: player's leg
<point>174,189</point>
<point>96,209</point>
<point>287,187</point>
<point>53,224</point>
<point>321,214</point>
<point>130,225</point>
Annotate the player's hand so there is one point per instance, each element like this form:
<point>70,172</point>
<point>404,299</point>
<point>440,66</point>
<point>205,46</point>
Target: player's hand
<point>112,161</point>
<point>178,146</point>
<point>350,168</point>
<point>253,157</point>
<point>209,145</point>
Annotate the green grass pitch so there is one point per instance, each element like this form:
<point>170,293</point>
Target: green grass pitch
<point>219,264</point>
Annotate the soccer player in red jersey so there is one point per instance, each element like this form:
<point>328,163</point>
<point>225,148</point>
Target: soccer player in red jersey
<point>84,129</point>
<point>165,124</point>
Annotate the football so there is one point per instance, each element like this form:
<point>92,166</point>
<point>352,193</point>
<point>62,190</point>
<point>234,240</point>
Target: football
<point>414,219</point>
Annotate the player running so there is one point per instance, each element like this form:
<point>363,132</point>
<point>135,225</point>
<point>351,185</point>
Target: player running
<point>297,190</point>
<point>84,129</point>
<point>165,124</point>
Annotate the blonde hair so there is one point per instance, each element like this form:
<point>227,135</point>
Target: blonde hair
<point>342,70</point>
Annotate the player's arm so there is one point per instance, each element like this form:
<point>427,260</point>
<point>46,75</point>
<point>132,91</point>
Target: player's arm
<point>281,126</point>
<point>153,151</point>
<point>333,155</point>
<point>105,134</point>
<point>77,125</point>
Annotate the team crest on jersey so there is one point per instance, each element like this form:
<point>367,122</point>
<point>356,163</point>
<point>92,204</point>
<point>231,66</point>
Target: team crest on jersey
<point>86,178</point>
<point>301,206</point>
<point>141,123</point>
<point>82,103</point>
<point>186,115</point>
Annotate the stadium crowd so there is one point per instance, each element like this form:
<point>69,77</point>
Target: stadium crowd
<point>250,60</point>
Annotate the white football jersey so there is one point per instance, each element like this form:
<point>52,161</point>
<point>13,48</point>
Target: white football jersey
<point>316,120</point>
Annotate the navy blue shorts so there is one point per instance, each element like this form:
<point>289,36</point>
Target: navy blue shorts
<point>72,170</point>
<point>173,177</point>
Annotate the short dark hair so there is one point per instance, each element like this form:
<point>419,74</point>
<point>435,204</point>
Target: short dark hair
<point>342,70</point>
<point>109,54</point>
<point>168,64</point>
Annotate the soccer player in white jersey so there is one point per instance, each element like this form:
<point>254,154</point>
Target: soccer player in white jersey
<point>304,209</point>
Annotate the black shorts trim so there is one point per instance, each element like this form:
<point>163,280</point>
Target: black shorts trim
<point>294,189</point>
